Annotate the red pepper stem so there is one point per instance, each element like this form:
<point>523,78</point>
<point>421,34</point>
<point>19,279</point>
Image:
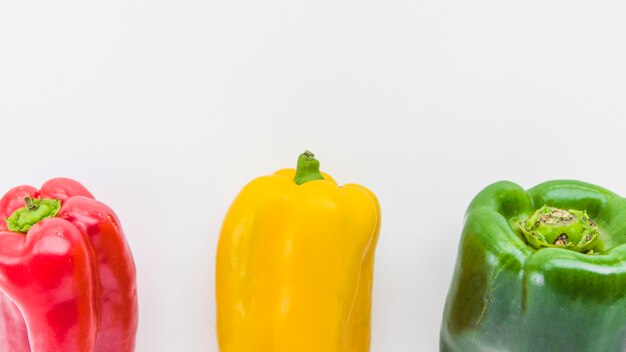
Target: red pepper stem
<point>29,203</point>
<point>35,210</point>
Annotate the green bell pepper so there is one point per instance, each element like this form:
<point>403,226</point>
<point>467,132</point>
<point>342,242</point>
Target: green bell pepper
<point>539,270</point>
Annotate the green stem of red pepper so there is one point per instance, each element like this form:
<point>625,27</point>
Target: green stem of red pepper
<point>29,203</point>
<point>35,210</point>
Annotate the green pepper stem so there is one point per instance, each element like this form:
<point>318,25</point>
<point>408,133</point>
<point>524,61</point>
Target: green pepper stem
<point>308,169</point>
<point>551,227</point>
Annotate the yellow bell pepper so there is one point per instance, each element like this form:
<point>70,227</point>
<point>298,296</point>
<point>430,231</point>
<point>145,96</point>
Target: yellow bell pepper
<point>295,264</point>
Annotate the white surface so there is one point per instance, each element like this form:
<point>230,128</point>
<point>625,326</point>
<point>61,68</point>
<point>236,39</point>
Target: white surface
<point>165,109</point>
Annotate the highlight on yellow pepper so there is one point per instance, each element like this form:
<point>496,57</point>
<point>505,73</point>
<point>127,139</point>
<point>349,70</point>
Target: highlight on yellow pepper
<point>295,262</point>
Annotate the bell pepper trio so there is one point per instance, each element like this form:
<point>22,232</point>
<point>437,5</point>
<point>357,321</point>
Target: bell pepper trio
<point>537,270</point>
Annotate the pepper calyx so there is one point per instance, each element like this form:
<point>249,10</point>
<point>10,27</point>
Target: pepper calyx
<point>35,210</point>
<point>551,227</point>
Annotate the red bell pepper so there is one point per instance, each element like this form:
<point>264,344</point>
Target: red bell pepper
<point>67,276</point>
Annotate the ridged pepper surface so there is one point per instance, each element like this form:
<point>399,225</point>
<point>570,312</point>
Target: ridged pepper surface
<point>295,264</point>
<point>67,277</point>
<point>540,270</point>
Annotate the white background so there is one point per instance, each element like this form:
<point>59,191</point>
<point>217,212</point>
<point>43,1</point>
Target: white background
<point>165,109</point>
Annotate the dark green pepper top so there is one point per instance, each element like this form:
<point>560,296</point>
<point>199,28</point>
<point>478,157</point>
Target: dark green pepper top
<point>540,270</point>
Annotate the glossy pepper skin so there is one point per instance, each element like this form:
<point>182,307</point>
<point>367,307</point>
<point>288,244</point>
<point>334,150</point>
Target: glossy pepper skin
<point>67,284</point>
<point>507,295</point>
<point>295,264</point>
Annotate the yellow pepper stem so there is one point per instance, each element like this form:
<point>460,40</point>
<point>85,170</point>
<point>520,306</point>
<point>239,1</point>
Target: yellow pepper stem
<point>308,169</point>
